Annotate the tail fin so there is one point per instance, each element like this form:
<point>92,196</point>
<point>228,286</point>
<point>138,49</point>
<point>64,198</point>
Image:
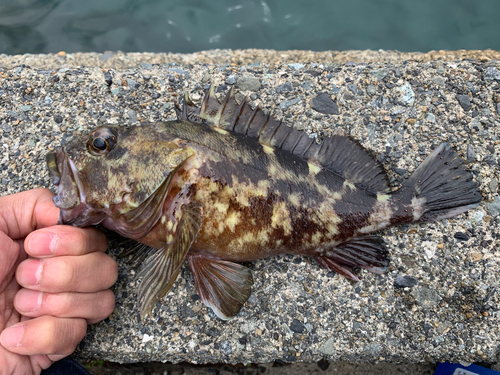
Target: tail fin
<point>440,187</point>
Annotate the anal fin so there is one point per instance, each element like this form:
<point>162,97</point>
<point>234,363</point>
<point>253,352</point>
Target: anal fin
<point>223,286</point>
<point>367,252</point>
<point>329,264</point>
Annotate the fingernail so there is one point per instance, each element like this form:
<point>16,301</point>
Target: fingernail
<point>11,337</point>
<point>30,272</point>
<point>28,300</point>
<point>43,243</point>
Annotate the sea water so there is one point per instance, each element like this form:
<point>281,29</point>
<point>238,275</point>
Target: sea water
<point>42,26</point>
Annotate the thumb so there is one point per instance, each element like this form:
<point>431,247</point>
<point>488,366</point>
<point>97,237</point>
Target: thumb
<point>10,255</point>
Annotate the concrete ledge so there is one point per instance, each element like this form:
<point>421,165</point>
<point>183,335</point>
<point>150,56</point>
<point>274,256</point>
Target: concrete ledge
<point>120,60</point>
<point>439,301</point>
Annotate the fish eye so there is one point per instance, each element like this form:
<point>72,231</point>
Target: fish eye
<point>100,143</point>
<point>102,140</point>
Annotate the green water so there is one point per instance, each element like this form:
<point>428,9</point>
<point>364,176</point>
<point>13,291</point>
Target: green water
<point>42,26</point>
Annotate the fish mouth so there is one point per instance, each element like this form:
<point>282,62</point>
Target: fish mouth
<point>70,198</point>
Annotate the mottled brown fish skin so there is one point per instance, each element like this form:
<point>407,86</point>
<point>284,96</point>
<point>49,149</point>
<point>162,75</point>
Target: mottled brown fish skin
<point>227,183</point>
<point>258,203</point>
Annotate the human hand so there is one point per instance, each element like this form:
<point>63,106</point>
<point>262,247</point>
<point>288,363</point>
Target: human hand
<point>47,297</point>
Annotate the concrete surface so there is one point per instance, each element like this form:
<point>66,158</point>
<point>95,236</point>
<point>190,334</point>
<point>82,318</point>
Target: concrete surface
<point>439,300</point>
<point>321,368</point>
<point>120,60</point>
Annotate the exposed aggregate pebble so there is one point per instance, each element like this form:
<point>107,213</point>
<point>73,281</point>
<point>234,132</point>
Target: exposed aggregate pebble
<point>440,298</point>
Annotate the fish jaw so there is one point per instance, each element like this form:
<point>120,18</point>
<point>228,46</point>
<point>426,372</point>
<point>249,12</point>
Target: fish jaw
<point>70,198</point>
<point>81,216</point>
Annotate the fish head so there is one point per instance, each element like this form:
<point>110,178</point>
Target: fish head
<point>111,172</point>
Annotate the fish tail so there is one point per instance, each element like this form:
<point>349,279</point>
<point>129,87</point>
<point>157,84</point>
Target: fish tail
<point>441,187</point>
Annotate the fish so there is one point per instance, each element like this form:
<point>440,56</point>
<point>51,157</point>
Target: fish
<point>227,183</point>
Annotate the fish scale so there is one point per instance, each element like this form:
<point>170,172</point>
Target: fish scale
<point>226,183</point>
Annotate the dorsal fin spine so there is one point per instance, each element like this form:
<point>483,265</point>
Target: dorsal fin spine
<point>339,154</point>
<point>284,139</point>
<point>323,146</point>
<point>274,132</point>
<point>231,123</point>
<point>241,106</point>
<point>250,119</point>
<point>204,102</point>
<point>263,126</point>
<point>217,118</point>
<point>187,102</point>
<point>308,147</point>
<point>222,108</point>
<point>224,103</point>
<point>295,145</point>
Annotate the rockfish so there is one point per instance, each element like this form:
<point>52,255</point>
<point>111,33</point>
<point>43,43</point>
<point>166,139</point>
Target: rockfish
<point>227,183</point>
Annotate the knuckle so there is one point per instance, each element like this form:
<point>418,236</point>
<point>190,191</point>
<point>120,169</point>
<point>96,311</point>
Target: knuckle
<point>93,240</point>
<point>109,303</point>
<point>103,308</point>
<point>109,269</point>
<point>53,335</point>
<point>113,270</point>
<point>80,329</point>
<point>63,305</point>
<point>50,336</point>
<point>62,273</point>
<point>66,333</point>
<point>102,242</point>
<point>76,240</point>
<point>81,241</point>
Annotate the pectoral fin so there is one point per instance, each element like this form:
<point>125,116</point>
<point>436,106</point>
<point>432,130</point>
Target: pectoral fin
<point>223,286</point>
<point>161,268</point>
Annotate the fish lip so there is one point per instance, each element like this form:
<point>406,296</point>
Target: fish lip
<point>70,197</point>
<point>63,170</point>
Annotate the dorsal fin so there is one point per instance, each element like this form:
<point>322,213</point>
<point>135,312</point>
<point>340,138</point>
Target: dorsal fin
<point>339,153</point>
<point>188,112</point>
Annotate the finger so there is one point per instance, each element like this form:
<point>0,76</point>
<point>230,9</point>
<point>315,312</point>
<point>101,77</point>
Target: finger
<point>44,335</point>
<point>93,307</point>
<point>86,273</point>
<point>61,240</point>
<point>10,255</point>
<point>22,213</point>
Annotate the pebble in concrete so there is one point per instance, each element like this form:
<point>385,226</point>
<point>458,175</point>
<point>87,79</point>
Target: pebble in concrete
<point>324,104</point>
